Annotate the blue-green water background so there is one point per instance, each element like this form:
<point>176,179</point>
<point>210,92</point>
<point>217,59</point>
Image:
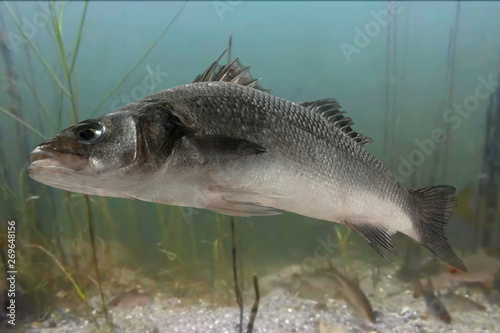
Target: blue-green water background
<point>296,47</point>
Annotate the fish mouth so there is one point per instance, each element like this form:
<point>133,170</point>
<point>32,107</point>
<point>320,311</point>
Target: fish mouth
<point>41,160</point>
<point>38,154</point>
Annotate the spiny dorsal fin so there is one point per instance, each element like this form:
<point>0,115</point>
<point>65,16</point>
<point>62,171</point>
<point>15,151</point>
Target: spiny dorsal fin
<point>329,109</point>
<point>233,72</point>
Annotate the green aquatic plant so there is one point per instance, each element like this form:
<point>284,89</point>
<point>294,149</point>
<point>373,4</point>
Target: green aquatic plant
<point>62,236</point>
<point>76,287</point>
<point>36,51</point>
<point>139,61</point>
<point>22,122</point>
<point>342,235</point>
<point>220,249</point>
<point>237,288</point>
<point>56,16</point>
<point>255,306</point>
<point>90,224</point>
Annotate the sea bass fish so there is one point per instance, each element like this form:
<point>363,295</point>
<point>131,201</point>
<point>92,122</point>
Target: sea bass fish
<point>225,144</point>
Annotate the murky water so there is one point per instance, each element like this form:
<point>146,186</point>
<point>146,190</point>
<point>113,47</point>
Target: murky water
<point>420,79</point>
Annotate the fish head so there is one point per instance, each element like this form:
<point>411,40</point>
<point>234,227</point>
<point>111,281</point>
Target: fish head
<point>109,155</point>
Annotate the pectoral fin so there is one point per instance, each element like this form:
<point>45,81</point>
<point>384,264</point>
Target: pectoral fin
<point>215,144</point>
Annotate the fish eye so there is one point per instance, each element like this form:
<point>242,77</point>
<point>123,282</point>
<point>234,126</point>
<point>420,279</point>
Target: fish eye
<point>89,133</point>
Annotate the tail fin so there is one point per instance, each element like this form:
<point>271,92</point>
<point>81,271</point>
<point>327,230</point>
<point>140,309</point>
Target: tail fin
<point>434,207</point>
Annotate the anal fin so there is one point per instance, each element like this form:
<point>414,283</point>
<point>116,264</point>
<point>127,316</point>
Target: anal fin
<point>378,237</point>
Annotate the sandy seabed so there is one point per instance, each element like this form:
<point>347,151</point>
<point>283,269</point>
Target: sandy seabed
<point>282,312</point>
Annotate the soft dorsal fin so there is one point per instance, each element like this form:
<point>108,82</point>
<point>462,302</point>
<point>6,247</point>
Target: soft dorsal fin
<point>233,72</point>
<point>329,109</point>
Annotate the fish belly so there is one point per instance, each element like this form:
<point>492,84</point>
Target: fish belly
<point>290,189</point>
